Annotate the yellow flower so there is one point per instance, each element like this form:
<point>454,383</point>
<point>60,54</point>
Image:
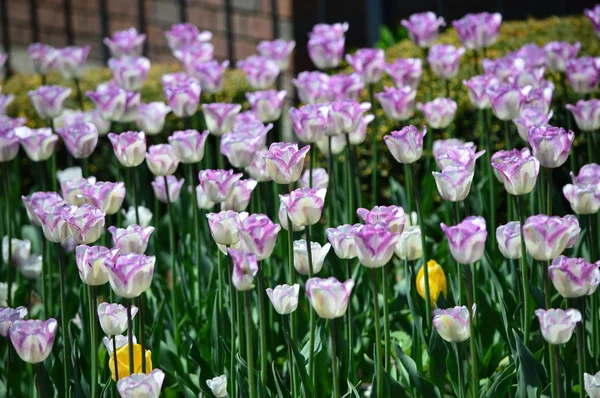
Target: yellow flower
<point>437,281</point>
<point>123,361</point>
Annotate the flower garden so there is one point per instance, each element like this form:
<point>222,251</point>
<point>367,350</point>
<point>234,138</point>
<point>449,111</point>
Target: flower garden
<point>428,228</point>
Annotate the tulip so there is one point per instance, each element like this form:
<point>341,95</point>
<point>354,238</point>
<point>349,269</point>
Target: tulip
<point>284,220</point>
<point>10,315</point>
<point>31,268</point>
<point>557,325</point>
<point>329,297</point>
<point>317,252</point>
<point>478,90</point>
<point>9,123</point>
<point>20,250</point>
<point>33,339</point>
<point>423,28</point>
<point>189,145</point>
<point>240,145</point>
<point>342,240</point>
<point>344,86</point>
<point>129,73</point>
<point>437,281</point>
<point>110,101</point>
<point>202,200</point>
<point>80,139</point>
<point>467,239</point>
<point>453,324</point>
<point>559,52</point>
<point>312,87</point>
<point>310,122</point>
<point>131,275</point>
<point>183,94</point>
<point>444,60</point>
<point>133,239</point>
<point>369,63</point>
<point>284,298</point>
<point>359,135</point>
<point>220,117</point>
<point>440,147</point>
<point>92,116</point>
<point>586,114</point>
<point>278,51</point>
<point>40,201</point>
<point>146,385</point>
<point>125,43</point>
<point>477,31</point>
<point>209,74</point>
<point>151,117</point>
<point>160,190</point>
<point>338,144</point>
<point>285,161</point>
<point>439,113</point>
<point>218,386</point>
<point>397,103</point>
<point>454,183</point>
<point>594,17</point>
<point>49,101</point>
<point>261,72</point>
<point>464,156</point>
<point>5,101</point>
<point>319,176</point>
<point>326,47</point>
<point>9,145</point>
<point>574,277</point>
<point>409,246</point>
<point>182,35</point>
<point>145,216</point>
<point>547,237</point>
<point>85,222</point>
<point>239,196</point>
<point>107,196</point>
<point>405,72</point>
<point>592,382</point>
<point>374,244</point>
<point>92,263</point>
<point>123,361</point>
<point>345,116</point>
<point>38,143</point>
<point>73,188</point>
<point>129,147</point>
<point>517,170</point>
<point>42,57</point>
<point>391,216</point>
<point>162,159</point>
<point>584,199</point>
<point>551,145</point>
<point>245,268</point>
<point>257,169</point>
<point>588,174</point>
<point>267,104</point>
<point>246,119</point>
<point>531,116</point>
<point>224,226</point>
<point>507,101</point>
<point>217,184</point>
<point>583,74</point>
<point>54,226</point>
<point>304,205</point>
<point>70,61</point>
<point>509,240</point>
<point>258,235</point>
<point>113,318</point>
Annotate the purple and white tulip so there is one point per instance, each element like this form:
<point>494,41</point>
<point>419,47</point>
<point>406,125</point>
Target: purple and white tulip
<point>466,239</point>
<point>405,72</point>
<point>310,122</point>
<point>507,100</point>
<point>583,74</point>
<point>326,45</point>
<point>141,385</point>
<point>423,28</point>
<point>550,145</point>
<point>182,93</point>
<point>439,113</point>
<point>374,244</point>
<point>261,72</point>
<point>49,101</point>
<point>10,315</point>
<point>583,198</point>
<point>188,145</point>
<point>70,61</point>
<point>531,116</point>
<point>509,240</point>
<point>92,263</point>
<point>38,143</point>
<point>478,90</point>
<point>220,117</point>
<point>133,239</point>
<point>453,324</point>
<point>245,268</point>
<point>224,226</point>
<point>304,206</point>
<point>267,104</point>
<point>547,237</point>
<point>113,318</point>
<point>217,184</point>
<point>129,73</point>
<point>42,57</point>
<point>160,190</point>
<point>392,217</point>
<point>151,117</point>
<point>586,114</point>
<point>79,138</point>
<point>239,196</point>
<point>129,147</point>
<point>369,63</point>
<point>477,31</point>
<point>131,274</point>
<point>398,103</point>
<point>279,51</point>
<point>111,101</point>
<point>444,60</point>
<point>410,246</point>
<point>312,87</point>
<point>559,52</point>
<point>318,254</point>
<point>329,297</point>
<point>344,86</point>
<point>125,43</point>
<point>342,240</point>
<point>40,201</point>
<point>162,159</point>
<point>182,35</point>
<point>257,169</point>
<point>285,161</point>
<point>284,298</point>
<point>320,179</point>
<point>259,235</point>
<point>557,325</point>
<point>55,228</point>
<point>107,196</point>
<point>85,222</point>
<point>517,170</point>
<point>33,339</point>
<point>574,277</point>
<point>454,183</point>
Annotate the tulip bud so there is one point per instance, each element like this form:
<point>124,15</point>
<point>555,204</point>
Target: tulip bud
<point>344,86</point>
<point>129,147</point>
<point>439,113</point>
<point>131,274</point>
<point>409,244</point>
<point>312,87</point>
<point>129,73</point>
<point>261,72</point>
<point>162,159</point>
<point>320,179</point>
<point>284,298</point>
<point>145,216</point>
<point>189,145</point>
<point>8,316</point>
<point>454,183</point>
<point>310,122</point>
<point>584,199</point>
<point>70,61</point>
<point>107,196</point>
<point>375,244</point>
<point>220,117</point>
<point>202,200</point>
<point>326,45</point>
<point>477,31</point>
<point>509,240</point>
<point>267,104</point>
<point>437,281</point>
<point>478,89</point>
<point>467,239</point>
<point>54,226</point>
<point>259,235</point>
<point>586,114</point>
<point>182,93</point>
<point>218,386</point>
<point>285,161</point>
<point>113,318</point>
<point>9,145</point>
<point>126,42</point>
<point>583,74</point>
<point>391,216</point>
<point>33,339</point>
<point>368,63</point>
<point>531,116</point>
<point>574,277</point>
<point>49,101</point>
<point>133,239</point>
<point>245,268</point>
<point>318,254</point>
<point>559,52</point>
<point>557,325</point>
<point>21,250</point>
<point>329,297</point>
<point>453,324</point>
<point>257,169</point>
<point>507,100</point>
<point>238,198</point>
<point>40,201</point>
<point>141,385</point>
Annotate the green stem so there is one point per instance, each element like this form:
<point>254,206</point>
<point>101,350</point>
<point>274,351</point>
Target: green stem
<point>311,343</point>
<point>9,266</point>
<point>313,158</point>
<point>249,345</point>
<point>38,380</point>
<point>290,357</point>
<point>524,273</point>
<point>549,191</point>
<point>232,324</point>
<point>590,147</point>
<point>378,363</point>
<point>554,375</point>
<point>332,182</point>
<point>593,257</point>
<point>140,303</point>
<point>386,319</point>
<point>349,323</point>
<point>579,303</point>
<point>196,233</point>
<point>116,362</point>
<point>94,347</point>
<point>63,319</point>
<point>334,361</point>
<point>507,140</point>
<point>174,273</point>
<point>218,152</point>
<point>356,176</point>
<point>130,335</point>
<point>293,331</point>
<point>79,93</point>
<point>263,328</point>
<point>349,181</point>
<point>490,177</point>
<point>374,142</point>
<point>132,181</point>
<point>459,276</point>
<point>461,372</point>
<point>470,273</point>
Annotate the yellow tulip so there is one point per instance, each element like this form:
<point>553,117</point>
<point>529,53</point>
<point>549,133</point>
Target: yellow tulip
<point>123,361</point>
<point>437,281</point>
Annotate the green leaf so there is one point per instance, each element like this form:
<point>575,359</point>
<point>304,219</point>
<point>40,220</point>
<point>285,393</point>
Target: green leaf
<point>300,366</point>
<point>281,391</point>
<point>504,380</point>
<point>352,392</point>
<point>187,392</point>
<point>437,360</point>
<point>424,386</point>
<point>529,381</point>
<point>44,381</point>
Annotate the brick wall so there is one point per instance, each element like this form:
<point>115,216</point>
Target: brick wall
<point>251,23</point>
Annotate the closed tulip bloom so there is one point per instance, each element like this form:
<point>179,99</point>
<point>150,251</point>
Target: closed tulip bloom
<point>586,114</point>
<point>444,60</point>
<point>93,262</point>
<point>125,43</point>
<point>507,101</point>
<point>398,103</point>
<point>583,198</point>
<point>107,196</point>
<point>189,145</point>
<point>592,382</point>
<point>240,145</point>
<point>326,50</point>
<point>33,339</point>
<point>278,51</point>
<point>320,179</point>
<point>454,183</point>
<point>342,240</point>
<point>218,183</point>
<point>310,122</point>
<point>160,190</point>
<point>151,117</point>
<point>257,169</point>
<point>557,325</point>
<point>70,173</point>
<point>261,72</point>
<point>9,145</point>
<point>359,135</point>
<point>133,239</point>
<point>38,143</point>
<point>162,159</point>
<point>70,61</point>
<point>220,117</point>
<point>375,244</point>
<point>318,254</point>
<point>85,222</point>
<point>437,281</point>
<point>21,250</point>
<point>267,104</point>
<point>259,235</point>
<point>138,385</point>
<point>284,298</point>
<point>423,28</point>
<point>453,324</point>
<point>202,200</point>
<point>369,63</point>
<point>49,101</point>
<point>344,86</point>
<point>239,196</point>
<point>409,244</point>
<point>509,240</point>
<point>391,216</point>
<point>285,161</point>
<point>42,57</point>
<point>224,226</point>
<point>110,101</point>
<point>194,54</point>
<point>31,268</point>
<point>209,74</point>
<point>346,116</point>
<point>405,72</point>
<point>10,315</point>
<point>329,297</point>
<point>304,205</point>
<point>547,237</point>
<point>73,188</point>
<point>477,31</point>
<point>439,113</point>
<point>284,220</point>
<point>123,361</point>
<point>54,226</point>
<point>583,74</point>
<point>182,35</point>
<point>574,277</point>
<point>183,95</point>
<point>559,52</point>
<point>478,89</point>
<point>594,17</point>
<point>129,147</point>
<point>80,139</point>
<point>40,201</point>
<point>467,239</point>
<point>588,174</point>
<point>517,170</point>
<point>312,87</point>
<point>245,268</point>
<point>131,274</point>
<point>5,101</point>
<point>463,156</point>
<point>551,145</point>
<point>531,116</point>
<point>129,73</point>
<point>218,386</point>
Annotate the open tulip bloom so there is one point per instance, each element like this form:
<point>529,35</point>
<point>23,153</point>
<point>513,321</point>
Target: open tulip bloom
<point>453,324</point>
<point>467,239</point>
